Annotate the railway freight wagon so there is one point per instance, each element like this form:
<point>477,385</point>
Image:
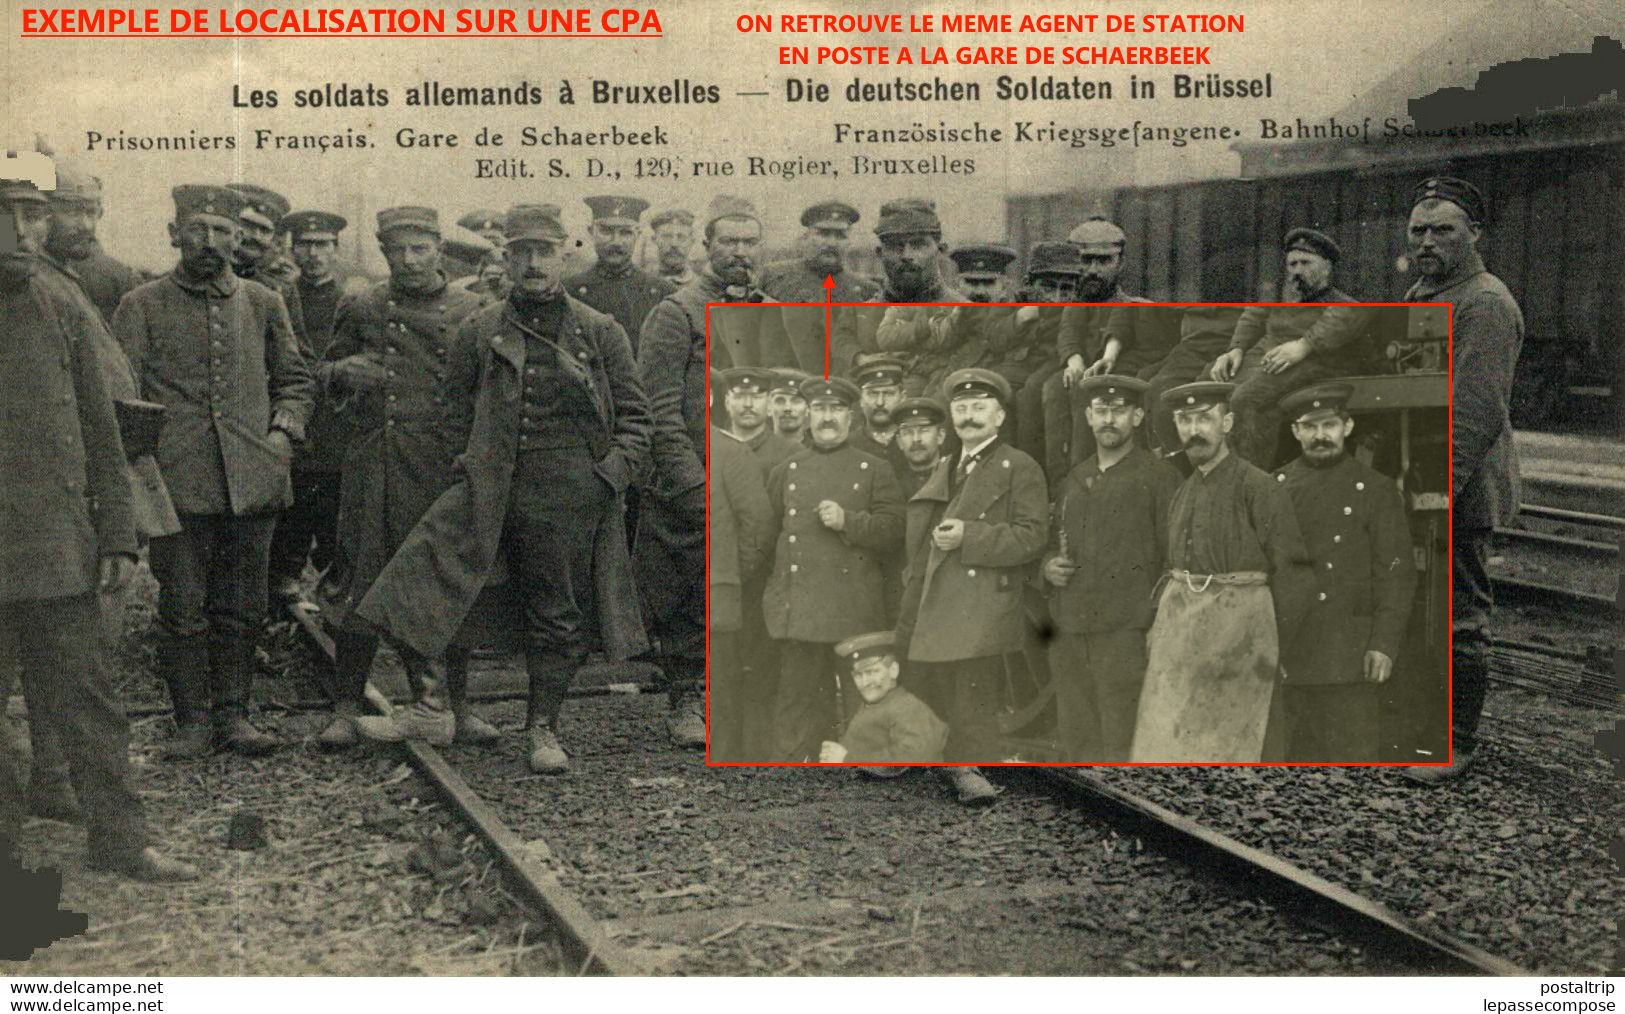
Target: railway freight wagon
<point>1556,235</point>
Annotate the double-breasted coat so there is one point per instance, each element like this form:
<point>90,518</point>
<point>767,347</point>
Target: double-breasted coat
<point>741,525</point>
<point>628,295</point>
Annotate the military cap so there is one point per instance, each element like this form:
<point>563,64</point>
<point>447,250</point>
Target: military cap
<point>314,224</point>
<point>1457,191</point>
<point>839,388</point>
<point>982,258</point>
<point>1318,399</point>
<point>788,378</point>
<point>74,185</point>
<point>534,222</point>
<point>409,217</point>
<point>876,645</point>
<point>1201,394</point>
<point>1113,387</point>
<point>882,371</point>
<point>907,216</point>
<point>681,216</point>
<point>617,210</point>
<point>20,190</point>
<point>467,244</point>
<point>974,381</point>
<point>1096,231</point>
<point>830,215</point>
<point>481,220</point>
<point>261,200</point>
<point>917,410</point>
<point>205,199</point>
<point>748,379</point>
<point>1312,241</point>
<point>1054,258</point>
<point>726,206</point>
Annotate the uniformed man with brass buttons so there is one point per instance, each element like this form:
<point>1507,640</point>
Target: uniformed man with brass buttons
<point>795,335</point>
<point>383,374</point>
<point>749,422</point>
<point>257,250</point>
<point>614,285</point>
<point>1359,543</point>
<point>838,513</point>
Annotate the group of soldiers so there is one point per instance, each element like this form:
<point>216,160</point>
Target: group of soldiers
<point>472,457</point>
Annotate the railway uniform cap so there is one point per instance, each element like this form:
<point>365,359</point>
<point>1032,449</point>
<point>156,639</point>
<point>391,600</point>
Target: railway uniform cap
<point>314,225</point>
<point>1097,235</point>
<point>882,371</point>
<point>13,191</point>
<point>928,411</point>
<point>1457,191</point>
<point>788,378</point>
<point>1113,390</point>
<point>481,220</point>
<point>1316,401</point>
<point>467,244</point>
<point>909,216</point>
<point>833,389</point>
<point>534,222</point>
<point>1203,394</point>
<point>981,259</point>
<point>975,382</point>
<point>680,216</point>
<point>1312,241</point>
<point>1054,258</point>
<point>877,645</point>
<point>75,186</point>
<point>726,206</point>
<point>205,199</point>
<point>409,216</point>
<point>616,210</point>
<point>263,201</point>
<point>830,215</point>
<point>748,380</point>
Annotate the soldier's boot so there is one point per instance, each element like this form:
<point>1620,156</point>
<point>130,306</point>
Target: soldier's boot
<point>970,786</point>
<point>549,683</point>
<point>471,728</point>
<point>50,791</point>
<point>685,713</point>
<point>232,666</point>
<point>341,733</point>
<point>428,718</point>
<point>352,663</point>
<point>183,663</point>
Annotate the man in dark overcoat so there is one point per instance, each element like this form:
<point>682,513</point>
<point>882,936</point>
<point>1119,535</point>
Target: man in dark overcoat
<point>614,285</point>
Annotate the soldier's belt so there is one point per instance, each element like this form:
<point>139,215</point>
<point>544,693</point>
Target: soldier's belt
<point>1200,582</point>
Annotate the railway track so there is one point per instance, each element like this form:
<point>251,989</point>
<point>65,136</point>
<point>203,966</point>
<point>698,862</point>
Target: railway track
<point>850,888</point>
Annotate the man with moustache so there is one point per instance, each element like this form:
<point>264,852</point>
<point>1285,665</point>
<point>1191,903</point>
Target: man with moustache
<point>921,430</point>
<point>974,331</point>
<point>257,249</point>
<point>672,232</point>
<point>795,335</point>
<point>880,391</point>
<point>614,285</point>
<point>1276,350</point>
<point>745,398</point>
<point>786,405</point>
<point>543,400</point>
<point>910,252</point>
<point>76,208</point>
<point>220,354</point>
<point>1204,334</point>
<point>1237,587</point>
<point>973,529</point>
<point>1487,331</point>
<point>1109,552</point>
<point>670,553</point>
<point>383,373</point>
<point>1359,542</point>
<point>837,511</point>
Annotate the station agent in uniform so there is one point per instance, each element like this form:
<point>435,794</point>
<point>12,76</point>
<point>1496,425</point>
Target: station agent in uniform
<point>614,285</point>
<point>837,513</point>
<point>786,405</point>
<point>1359,543</point>
<point>1109,551</point>
<point>794,335</point>
<point>921,430</point>
<point>1237,586</point>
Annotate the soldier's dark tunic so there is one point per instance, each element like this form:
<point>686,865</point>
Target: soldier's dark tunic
<point>794,336</point>
<point>1204,335</point>
<point>105,279</point>
<point>1081,330</point>
<point>741,524</point>
<point>64,504</point>
<point>627,295</point>
<point>893,561</point>
<point>1359,544</point>
<point>288,290</point>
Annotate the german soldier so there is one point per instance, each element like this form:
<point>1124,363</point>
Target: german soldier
<point>921,430</point>
<point>749,422</point>
<point>258,222</point>
<point>614,285</point>
<point>786,405</point>
<point>794,335</point>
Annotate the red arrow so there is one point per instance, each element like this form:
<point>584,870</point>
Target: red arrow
<point>829,296</point>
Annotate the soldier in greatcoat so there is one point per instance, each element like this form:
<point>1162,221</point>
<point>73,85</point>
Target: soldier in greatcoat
<point>741,523</point>
<point>794,335</point>
<point>614,285</point>
<point>837,513</point>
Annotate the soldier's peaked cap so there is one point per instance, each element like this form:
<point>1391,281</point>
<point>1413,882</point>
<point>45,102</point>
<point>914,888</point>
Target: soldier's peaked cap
<point>1113,387</point>
<point>1200,395</point>
<point>616,210</point>
<point>20,190</point>
<point>1053,258</point>
<point>830,215</point>
<point>467,244</point>
<point>317,224</point>
<point>1457,191</point>
<point>1096,231</point>
<point>1312,241</point>
<point>838,388</point>
<point>1318,399</point>
<point>982,258</point>
<point>205,199</point>
<point>682,216</point>
<point>263,200</point>
<point>748,378</point>
<point>975,382</point>
<point>920,410</point>
<point>788,378</point>
<point>727,206</point>
<point>879,372</point>
<point>73,184</point>
<point>481,220</point>
<point>876,645</point>
<point>409,216</point>
<point>540,222</point>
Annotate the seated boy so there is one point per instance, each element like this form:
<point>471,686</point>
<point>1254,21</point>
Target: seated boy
<point>892,726</point>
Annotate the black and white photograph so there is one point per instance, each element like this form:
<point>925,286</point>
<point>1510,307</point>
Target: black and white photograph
<point>828,490</point>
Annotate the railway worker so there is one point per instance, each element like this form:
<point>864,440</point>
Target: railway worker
<point>880,391</point>
<point>1237,587</point>
<point>220,354</point>
<point>741,526</point>
<point>749,422</point>
<point>614,285</point>
<point>921,432</point>
<point>1023,349</point>
<point>786,405</point>
<point>910,252</point>
<point>383,371</point>
<point>837,512</point>
<point>1204,335</point>
<point>309,528</point>
<point>75,539</point>
<point>543,397</point>
<point>1276,350</point>
<point>891,726</point>
<point>672,233</point>
<point>1487,332</point>
<point>794,336</point>
<point>76,210</point>
<point>1109,551</point>
<point>979,330</point>
<point>973,530</point>
<point>257,249</point>
<point>485,223</point>
<point>1359,543</point>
